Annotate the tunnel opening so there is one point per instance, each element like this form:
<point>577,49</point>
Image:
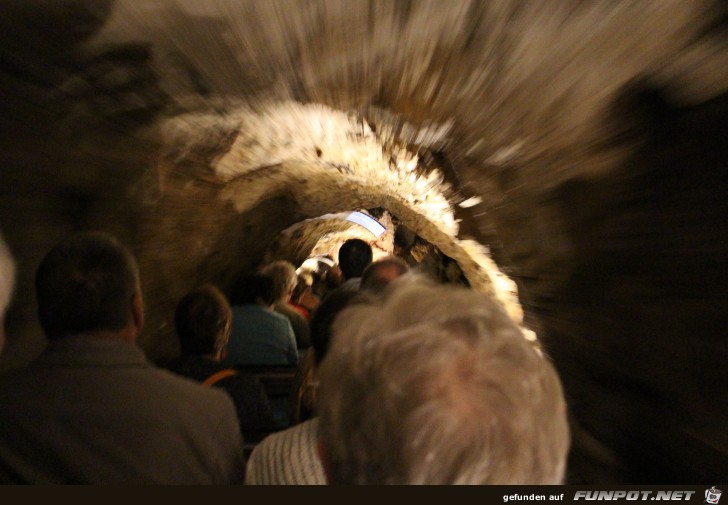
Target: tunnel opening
<point>322,236</point>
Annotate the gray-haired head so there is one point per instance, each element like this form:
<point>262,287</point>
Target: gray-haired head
<point>284,277</point>
<point>436,385</point>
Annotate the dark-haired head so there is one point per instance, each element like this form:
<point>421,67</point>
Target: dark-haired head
<point>354,256</point>
<point>87,283</point>
<point>253,289</point>
<point>202,320</point>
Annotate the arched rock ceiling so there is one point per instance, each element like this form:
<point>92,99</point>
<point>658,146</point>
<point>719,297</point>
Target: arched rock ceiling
<point>323,160</point>
<point>593,133</point>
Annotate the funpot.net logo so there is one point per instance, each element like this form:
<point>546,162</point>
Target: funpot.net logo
<point>673,495</point>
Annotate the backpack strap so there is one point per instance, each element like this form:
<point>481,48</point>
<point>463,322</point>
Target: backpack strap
<point>218,376</point>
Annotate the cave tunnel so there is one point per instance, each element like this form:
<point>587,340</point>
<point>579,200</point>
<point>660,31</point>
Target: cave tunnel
<point>570,159</point>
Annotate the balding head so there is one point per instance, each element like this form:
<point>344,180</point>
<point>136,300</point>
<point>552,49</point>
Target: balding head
<point>378,275</point>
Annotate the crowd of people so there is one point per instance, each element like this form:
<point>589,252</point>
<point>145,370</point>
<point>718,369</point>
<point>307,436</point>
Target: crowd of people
<point>399,379</point>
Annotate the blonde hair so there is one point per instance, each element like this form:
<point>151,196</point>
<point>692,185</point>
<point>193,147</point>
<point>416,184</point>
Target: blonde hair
<point>284,277</point>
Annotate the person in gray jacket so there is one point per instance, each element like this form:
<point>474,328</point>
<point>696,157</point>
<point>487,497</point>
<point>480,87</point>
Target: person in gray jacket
<point>91,409</point>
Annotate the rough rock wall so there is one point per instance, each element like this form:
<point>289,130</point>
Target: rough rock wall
<point>593,132</point>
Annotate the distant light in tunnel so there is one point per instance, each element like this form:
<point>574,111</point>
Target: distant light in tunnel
<point>367,222</point>
<point>364,220</point>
